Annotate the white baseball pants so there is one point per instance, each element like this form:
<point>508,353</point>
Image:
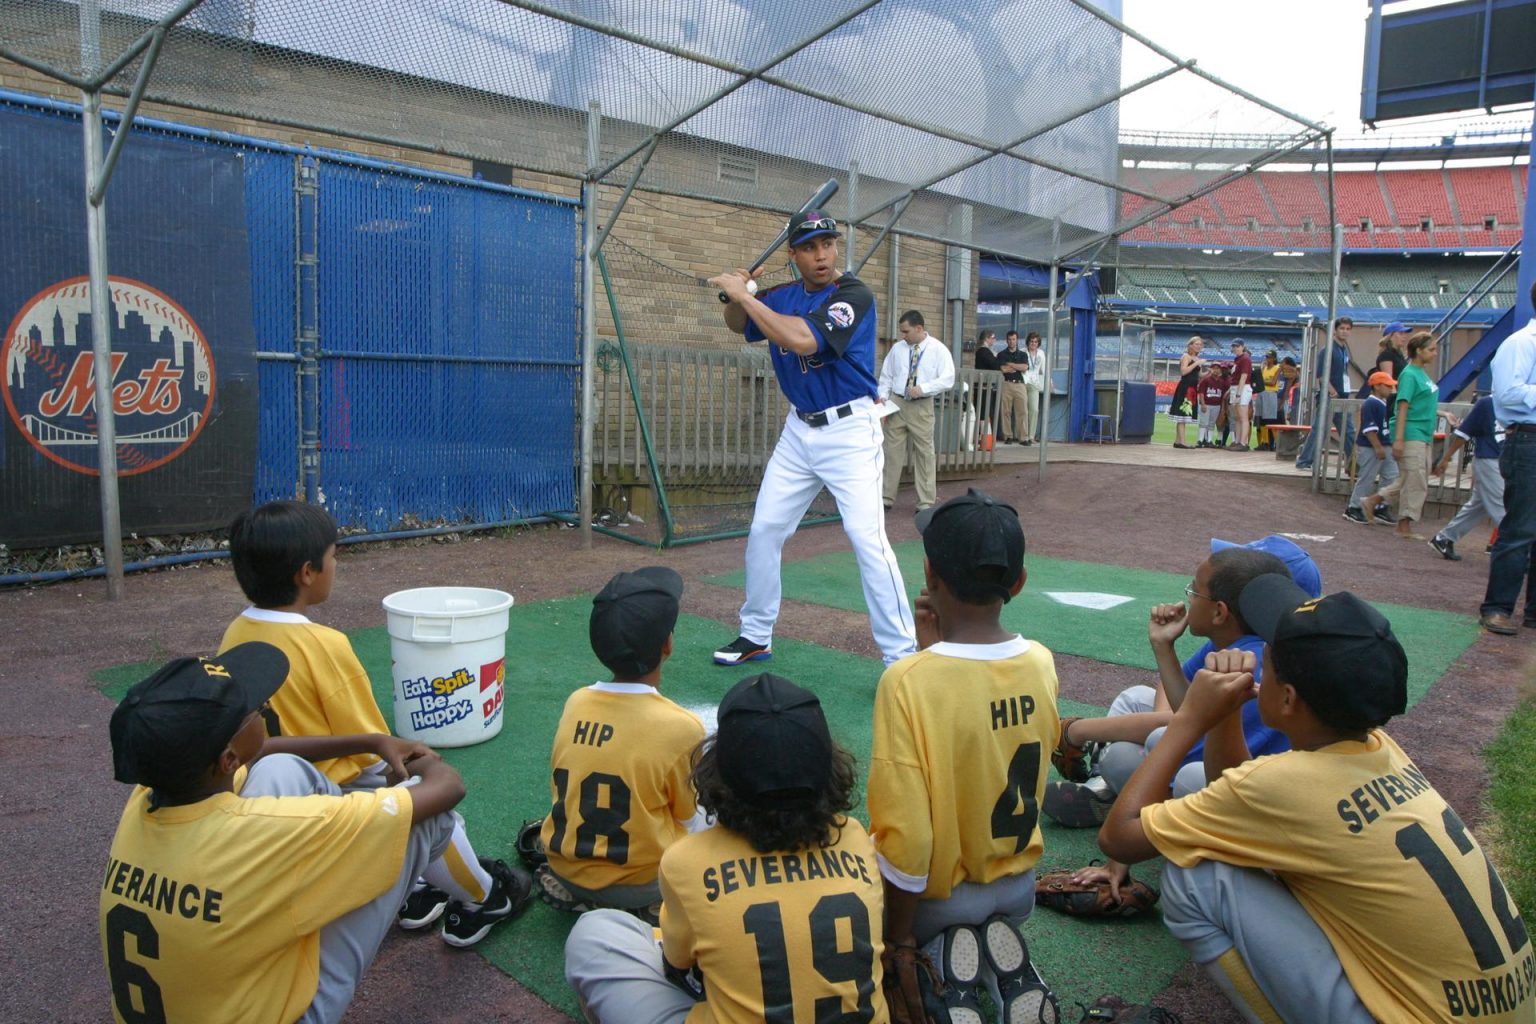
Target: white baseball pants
<point>844,456</point>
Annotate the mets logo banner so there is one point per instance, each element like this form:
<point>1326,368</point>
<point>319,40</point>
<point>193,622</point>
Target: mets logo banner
<point>183,367</point>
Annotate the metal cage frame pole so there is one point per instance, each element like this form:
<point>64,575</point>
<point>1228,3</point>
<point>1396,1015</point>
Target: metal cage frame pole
<point>1324,419</point>
<point>1050,371</point>
<point>101,302</point>
<point>588,317</point>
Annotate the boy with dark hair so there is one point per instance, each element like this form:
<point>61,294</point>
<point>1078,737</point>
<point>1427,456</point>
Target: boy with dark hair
<point>1375,468</point>
<point>1118,743</point>
<point>284,554</point>
<point>619,781</point>
<point>1332,882</point>
<point>242,886</point>
<point>956,774</point>
<point>1213,395</point>
<point>771,914</point>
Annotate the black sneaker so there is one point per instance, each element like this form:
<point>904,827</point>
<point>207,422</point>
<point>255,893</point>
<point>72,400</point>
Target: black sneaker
<point>511,892</point>
<point>1024,995</point>
<point>962,963</point>
<point>1078,804</point>
<point>742,650</point>
<point>1447,548</point>
<point>1354,515</point>
<point>422,907</point>
<point>1384,516</point>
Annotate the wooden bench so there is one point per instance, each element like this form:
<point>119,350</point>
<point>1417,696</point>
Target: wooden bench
<point>1288,438</point>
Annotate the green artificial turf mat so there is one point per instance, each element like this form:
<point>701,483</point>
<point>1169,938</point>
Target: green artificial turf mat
<point>1432,639</point>
<point>507,778</point>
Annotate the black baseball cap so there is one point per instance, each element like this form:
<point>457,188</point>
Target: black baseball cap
<point>975,545</point>
<point>808,224</point>
<point>773,747</point>
<point>1337,651</point>
<point>172,726</point>
<point>632,617</point>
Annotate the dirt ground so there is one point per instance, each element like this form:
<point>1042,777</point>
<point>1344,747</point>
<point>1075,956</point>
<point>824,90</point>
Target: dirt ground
<point>59,806</point>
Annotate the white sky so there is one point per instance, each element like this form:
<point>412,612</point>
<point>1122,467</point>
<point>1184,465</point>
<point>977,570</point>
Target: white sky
<point>1303,55</point>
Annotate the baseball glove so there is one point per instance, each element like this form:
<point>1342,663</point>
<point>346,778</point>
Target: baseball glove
<point>913,988</point>
<point>1060,893</point>
<point>530,848</point>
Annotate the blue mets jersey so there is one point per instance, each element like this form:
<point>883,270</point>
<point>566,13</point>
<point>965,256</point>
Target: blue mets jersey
<point>843,319</point>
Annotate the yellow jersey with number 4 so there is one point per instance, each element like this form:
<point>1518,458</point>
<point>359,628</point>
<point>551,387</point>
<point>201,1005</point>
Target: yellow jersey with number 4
<point>212,911</point>
<point>784,936</point>
<point>1420,921</point>
<point>962,742</point>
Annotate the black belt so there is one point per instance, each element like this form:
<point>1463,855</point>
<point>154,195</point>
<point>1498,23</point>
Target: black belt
<point>1520,428</point>
<point>1017,378</point>
<point>821,419</point>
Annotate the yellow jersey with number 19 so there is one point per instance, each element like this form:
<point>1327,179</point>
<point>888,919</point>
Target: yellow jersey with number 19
<point>792,935</point>
<point>963,735</point>
<point>212,911</point>
<point>1421,923</point>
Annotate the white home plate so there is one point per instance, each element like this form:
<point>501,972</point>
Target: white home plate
<point>1087,599</point>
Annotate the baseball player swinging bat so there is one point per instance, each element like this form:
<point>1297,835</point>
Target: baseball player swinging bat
<point>827,191</point>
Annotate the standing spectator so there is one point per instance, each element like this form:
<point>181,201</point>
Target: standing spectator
<point>1240,396</point>
<point>1514,553</point>
<point>1337,384</point>
<point>986,406</point>
<point>1186,393</point>
<point>1482,431</point>
<point>1290,376</point>
<point>1034,386</point>
<point>916,370</point>
<point>1413,432</point>
<point>1392,357</point>
<point>1266,383</point>
<point>1213,393</point>
<point>1376,468</point>
<point>1012,362</point>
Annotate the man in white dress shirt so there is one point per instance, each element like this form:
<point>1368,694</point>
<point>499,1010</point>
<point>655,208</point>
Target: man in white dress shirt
<point>917,369</point>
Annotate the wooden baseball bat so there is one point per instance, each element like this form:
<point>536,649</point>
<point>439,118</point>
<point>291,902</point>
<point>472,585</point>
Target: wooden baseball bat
<point>827,191</point>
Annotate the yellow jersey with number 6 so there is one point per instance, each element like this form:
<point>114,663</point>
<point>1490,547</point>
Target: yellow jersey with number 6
<point>212,911</point>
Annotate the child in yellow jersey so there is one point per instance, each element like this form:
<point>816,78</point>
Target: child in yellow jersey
<point>284,556</point>
<point>961,735</point>
<point>777,906</point>
<point>619,786</point>
<point>264,907</point>
<point>1331,882</point>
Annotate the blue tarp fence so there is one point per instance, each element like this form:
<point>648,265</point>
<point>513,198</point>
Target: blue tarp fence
<point>415,335</point>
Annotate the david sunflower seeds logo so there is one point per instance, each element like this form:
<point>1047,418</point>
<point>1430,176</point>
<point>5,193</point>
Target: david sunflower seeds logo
<point>162,376</point>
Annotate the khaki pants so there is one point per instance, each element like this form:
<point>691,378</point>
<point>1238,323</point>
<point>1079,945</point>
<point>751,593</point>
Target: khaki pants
<point>1031,410</point>
<point>1014,414</point>
<point>1411,488</point>
<point>914,424</point>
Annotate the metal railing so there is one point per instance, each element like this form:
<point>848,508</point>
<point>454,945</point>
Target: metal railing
<point>716,415</point>
<point>1337,475</point>
<point>1491,279</point>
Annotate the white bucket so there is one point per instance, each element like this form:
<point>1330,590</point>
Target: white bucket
<point>448,652</point>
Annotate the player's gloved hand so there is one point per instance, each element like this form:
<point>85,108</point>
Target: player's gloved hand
<point>396,753</point>
<point>1220,689</point>
<point>1167,623</point>
<point>925,617</point>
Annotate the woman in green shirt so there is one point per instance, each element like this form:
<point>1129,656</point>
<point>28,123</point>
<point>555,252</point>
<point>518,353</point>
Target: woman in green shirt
<point>1413,434</point>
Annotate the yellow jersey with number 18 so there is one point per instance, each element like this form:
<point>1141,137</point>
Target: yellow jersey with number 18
<point>963,735</point>
<point>1419,919</point>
